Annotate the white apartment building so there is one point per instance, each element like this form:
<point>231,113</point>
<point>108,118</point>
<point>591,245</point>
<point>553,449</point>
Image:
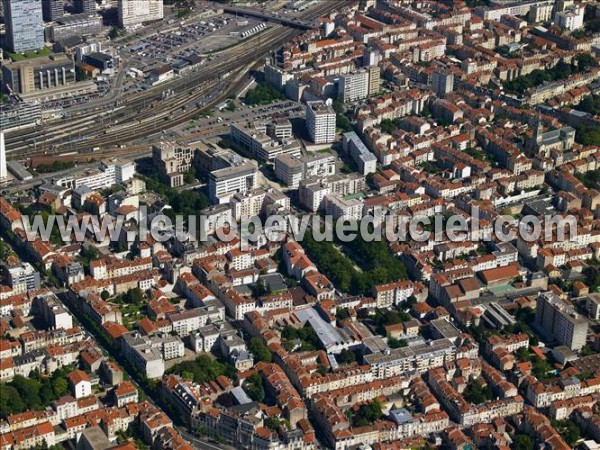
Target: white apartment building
<point>559,320</point>
<point>80,384</point>
<point>136,12</point>
<point>267,140</point>
<point>205,338</point>
<point>276,76</point>
<point>187,321</point>
<point>364,159</point>
<point>55,315</point>
<point>320,122</point>
<point>291,170</point>
<point>419,358</point>
<point>442,83</point>
<point>145,356</point>
<point>122,170</point>
<point>393,293</point>
<point>593,306</point>
<point>172,160</point>
<point>319,165</point>
<point>343,209</point>
<point>215,216</point>
<point>354,86</point>
<point>312,192</point>
<point>247,205</point>
<point>109,173</point>
<point>100,270</point>
<point>537,10</point>
<point>172,347</point>
<point>240,177</point>
<point>23,278</point>
<point>570,19</point>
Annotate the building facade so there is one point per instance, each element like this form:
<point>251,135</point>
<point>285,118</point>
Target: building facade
<point>136,12</point>
<point>364,159</point>
<point>24,25</point>
<point>238,178</point>
<point>556,319</point>
<point>354,86</point>
<point>52,10</point>
<point>320,122</point>
<point>442,83</point>
<point>75,25</point>
<point>39,74</point>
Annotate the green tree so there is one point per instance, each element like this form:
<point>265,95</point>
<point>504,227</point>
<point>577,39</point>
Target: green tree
<point>46,393</point>
<point>378,264</point>
<point>189,177</point>
<point>342,313</point>
<point>55,166</point>
<point>203,369</point>
<point>568,430</point>
<point>29,389</point>
<point>60,387</point>
<point>343,123</point>
<point>522,353</point>
<point>586,350</point>
<point>388,126</point>
<point>477,393</point>
<point>263,94</point>
<point>289,333</point>
<point>588,135</point>
<point>540,367</point>
<point>590,104</point>
<point>254,388</point>
<point>585,62</point>
<point>593,25</point>
<point>368,413</point>
<point>10,401</point>
<point>338,106</point>
<point>135,296</point>
<point>260,351</point>
<point>523,442</point>
<point>397,343</point>
<point>346,357</point>
<point>562,70</point>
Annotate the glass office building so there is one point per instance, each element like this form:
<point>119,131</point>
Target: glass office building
<point>24,25</point>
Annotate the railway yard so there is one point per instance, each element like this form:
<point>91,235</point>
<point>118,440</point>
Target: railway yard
<point>143,117</point>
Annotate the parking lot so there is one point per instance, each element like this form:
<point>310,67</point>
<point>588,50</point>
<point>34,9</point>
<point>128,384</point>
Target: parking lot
<point>103,88</point>
<point>242,113</point>
<point>167,46</point>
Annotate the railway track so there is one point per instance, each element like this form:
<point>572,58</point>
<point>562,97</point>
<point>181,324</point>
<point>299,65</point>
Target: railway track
<point>147,113</point>
<point>135,107</point>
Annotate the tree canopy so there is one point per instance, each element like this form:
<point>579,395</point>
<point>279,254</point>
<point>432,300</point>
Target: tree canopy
<point>308,337</point>
<point>477,393</point>
<point>260,351</point>
<point>346,357</point>
<point>568,430</point>
<point>254,387</point>
<point>203,369</point>
<point>369,413</point>
<point>388,126</point>
<point>263,94</point>
<point>378,264</point>
<point>561,71</point>
<point>37,392</point>
<point>523,442</point>
<point>590,104</point>
<point>588,135</point>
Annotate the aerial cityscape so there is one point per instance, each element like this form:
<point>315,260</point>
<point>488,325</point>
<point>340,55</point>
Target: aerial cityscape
<point>300,224</point>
